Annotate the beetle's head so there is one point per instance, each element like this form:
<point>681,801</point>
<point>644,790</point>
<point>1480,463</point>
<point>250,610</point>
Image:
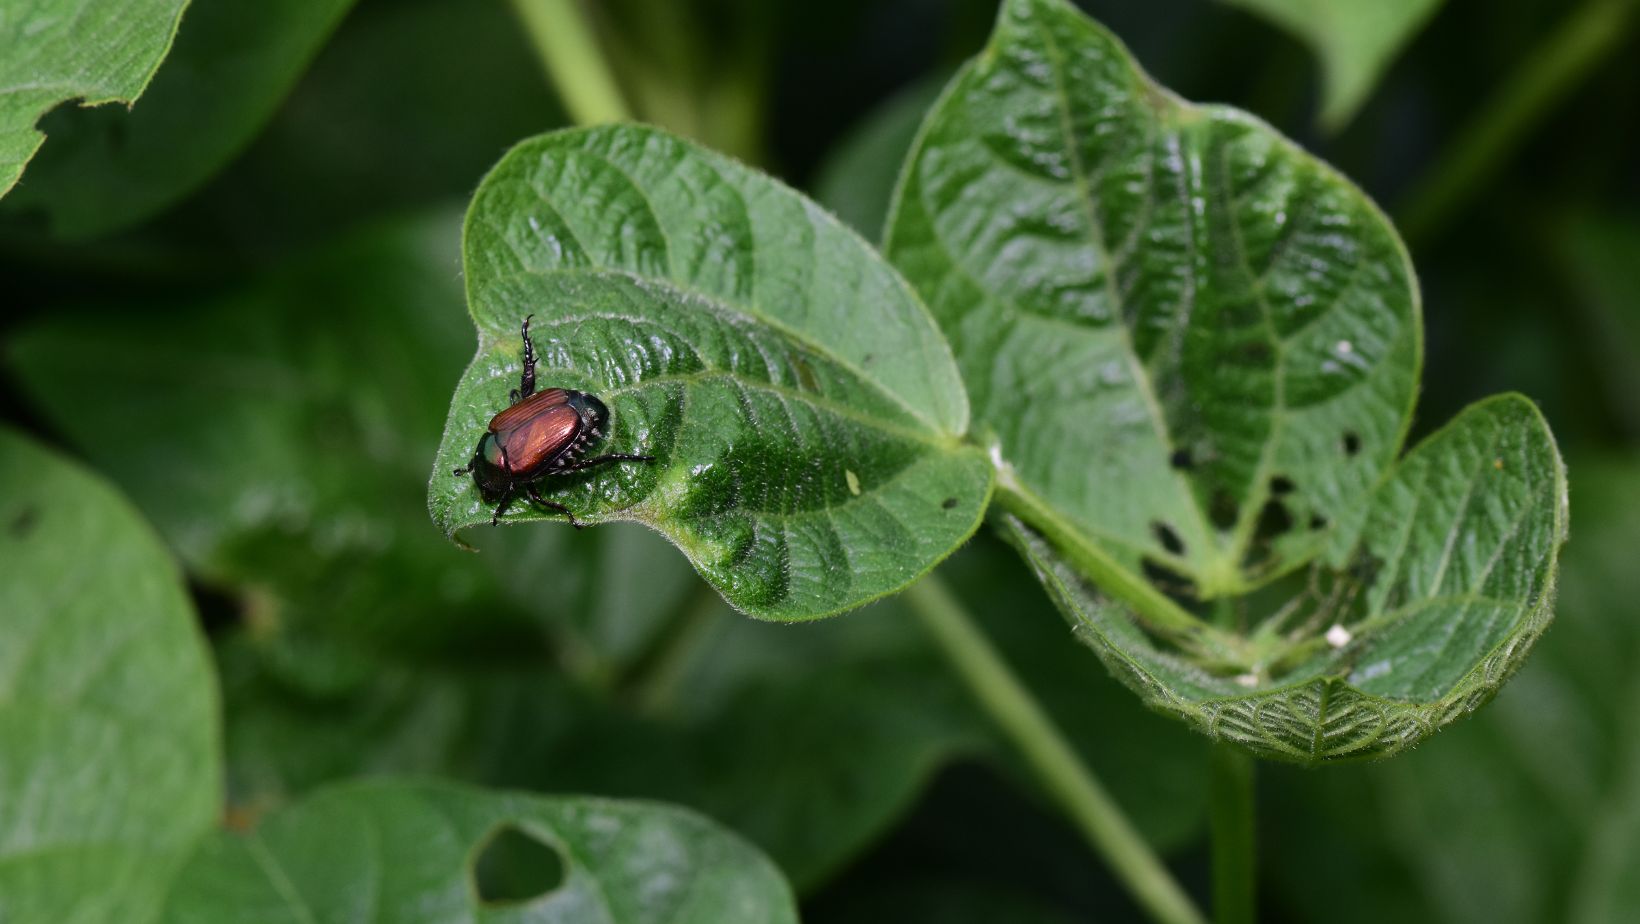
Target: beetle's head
<point>488,474</point>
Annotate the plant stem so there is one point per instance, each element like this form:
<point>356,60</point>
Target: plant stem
<point>1487,141</point>
<point>1047,753</point>
<point>1232,822</point>
<point>564,41</point>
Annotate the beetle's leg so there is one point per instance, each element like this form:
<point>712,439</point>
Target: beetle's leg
<point>552,505</point>
<point>500,508</point>
<point>526,382</point>
<point>611,457</point>
<point>462,471</point>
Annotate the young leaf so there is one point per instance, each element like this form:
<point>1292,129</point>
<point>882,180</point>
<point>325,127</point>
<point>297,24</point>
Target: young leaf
<point>1195,350</point>
<point>109,766</point>
<point>101,51</point>
<point>232,63</point>
<point>1355,41</point>
<point>407,852</point>
<point>1417,617</point>
<point>802,408</point>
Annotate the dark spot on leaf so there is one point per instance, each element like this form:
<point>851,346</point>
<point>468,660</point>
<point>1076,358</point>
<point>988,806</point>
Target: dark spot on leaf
<point>1352,442</point>
<point>950,503</point>
<point>514,867</point>
<point>1168,538</point>
<point>1281,484</point>
<point>24,522</point>
<point>1273,521</point>
<point>1255,353</point>
<point>219,611</point>
<point>805,374</point>
<point>1181,460</point>
<point>1177,586</point>
<point>1223,509</point>
<point>1317,521</point>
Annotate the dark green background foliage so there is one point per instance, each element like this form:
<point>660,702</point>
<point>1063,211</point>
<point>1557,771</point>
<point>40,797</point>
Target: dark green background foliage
<point>236,314</point>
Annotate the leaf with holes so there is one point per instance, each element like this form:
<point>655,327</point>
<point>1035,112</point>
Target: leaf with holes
<point>411,852</point>
<point>109,168</point>
<point>99,51</point>
<point>1195,350</point>
<point>802,410</point>
<point>1354,40</point>
<point>109,765</point>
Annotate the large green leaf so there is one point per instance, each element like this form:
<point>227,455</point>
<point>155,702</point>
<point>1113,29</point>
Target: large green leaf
<point>231,65</point>
<point>99,51</point>
<point>1545,783</point>
<point>405,852</point>
<point>1355,40</point>
<point>109,766</point>
<point>803,409</point>
<point>1418,616</point>
<point>1194,349</point>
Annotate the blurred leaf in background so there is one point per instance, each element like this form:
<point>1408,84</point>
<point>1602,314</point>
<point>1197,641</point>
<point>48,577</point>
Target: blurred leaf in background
<point>100,52</point>
<point>1355,40</point>
<point>231,65</point>
<point>110,763</point>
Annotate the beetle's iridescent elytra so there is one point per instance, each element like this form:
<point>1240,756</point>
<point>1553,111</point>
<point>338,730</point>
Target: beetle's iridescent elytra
<point>541,434</point>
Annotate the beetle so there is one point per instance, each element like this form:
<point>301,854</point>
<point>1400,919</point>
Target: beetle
<point>539,435</point>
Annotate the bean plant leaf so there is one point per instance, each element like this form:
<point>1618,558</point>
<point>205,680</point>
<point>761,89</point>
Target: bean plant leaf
<point>1354,40</point>
<point>98,51</point>
<point>231,65</point>
<point>109,766</point>
<point>406,852</point>
<point>803,410</point>
<point>1415,618</point>
<point>1194,349</point>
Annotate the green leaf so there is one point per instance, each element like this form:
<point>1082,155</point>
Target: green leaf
<point>405,852</point>
<point>1355,41</point>
<point>231,65</point>
<point>99,51</point>
<point>1544,783</point>
<point>109,766</point>
<point>1195,350</point>
<point>1417,617</point>
<point>803,409</point>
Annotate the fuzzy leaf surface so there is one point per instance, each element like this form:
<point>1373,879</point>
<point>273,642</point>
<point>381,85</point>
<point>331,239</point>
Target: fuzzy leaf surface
<point>803,409</point>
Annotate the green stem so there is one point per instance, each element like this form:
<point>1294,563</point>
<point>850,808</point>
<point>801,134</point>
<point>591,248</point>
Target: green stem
<point>1048,754</point>
<point>1154,608</point>
<point>1232,822</point>
<point>1488,140</point>
<point>564,41</point>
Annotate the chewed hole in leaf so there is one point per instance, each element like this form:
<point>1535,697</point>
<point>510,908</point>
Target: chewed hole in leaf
<point>515,868</point>
<point>1182,460</point>
<point>1223,509</point>
<point>1352,442</point>
<point>1317,521</point>
<point>1177,586</point>
<point>1280,485</point>
<point>1169,539</point>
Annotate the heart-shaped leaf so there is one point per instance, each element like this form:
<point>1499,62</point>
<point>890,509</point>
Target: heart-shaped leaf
<point>109,765</point>
<point>1354,40</point>
<point>101,51</point>
<point>405,852</point>
<point>803,411</point>
<point>1195,350</point>
<point>232,63</point>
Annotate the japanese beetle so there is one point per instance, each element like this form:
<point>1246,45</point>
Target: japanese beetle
<point>539,435</point>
